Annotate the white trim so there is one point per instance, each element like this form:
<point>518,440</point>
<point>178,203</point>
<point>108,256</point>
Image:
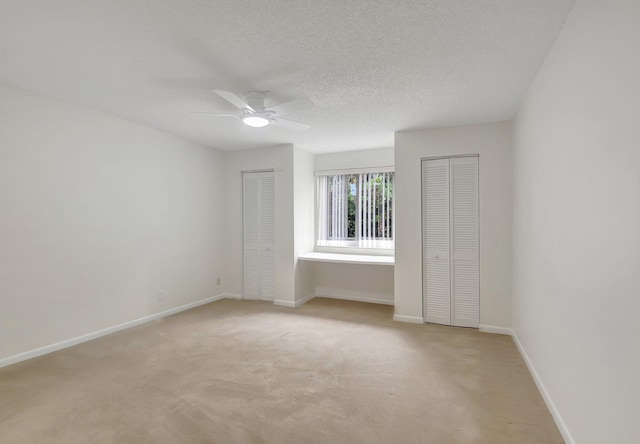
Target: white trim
<point>305,299</point>
<point>283,303</point>
<point>341,171</point>
<point>347,258</point>
<point>545,394</point>
<point>358,296</point>
<point>231,296</point>
<point>105,331</point>
<point>454,156</point>
<point>496,329</point>
<point>410,319</point>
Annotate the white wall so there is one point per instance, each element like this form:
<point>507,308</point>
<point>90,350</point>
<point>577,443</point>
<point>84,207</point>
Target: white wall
<point>357,282</point>
<point>280,159</point>
<point>493,143</point>
<point>97,216</point>
<point>379,157</point>
<point>577,223</point>
<point>349,281</point>
<point>304,210</point>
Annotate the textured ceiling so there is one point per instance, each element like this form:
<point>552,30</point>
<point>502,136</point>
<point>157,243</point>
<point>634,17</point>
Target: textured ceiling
<point>370,67</point>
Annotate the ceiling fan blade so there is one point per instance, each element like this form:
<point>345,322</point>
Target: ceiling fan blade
<point>290,124</point>
<point>233,99</point>
<point>215,114</point>
<point>291,107</point>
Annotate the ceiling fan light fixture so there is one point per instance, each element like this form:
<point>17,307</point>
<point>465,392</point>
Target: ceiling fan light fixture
<point>255,121</point>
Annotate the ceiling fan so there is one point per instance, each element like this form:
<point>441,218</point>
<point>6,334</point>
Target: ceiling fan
<point>253,112</point>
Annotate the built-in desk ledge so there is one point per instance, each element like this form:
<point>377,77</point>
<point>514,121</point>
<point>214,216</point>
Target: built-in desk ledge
<point>348,258</point>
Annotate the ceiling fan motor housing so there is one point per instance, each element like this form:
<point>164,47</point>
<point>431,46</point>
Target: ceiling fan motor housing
<point>256,99</point>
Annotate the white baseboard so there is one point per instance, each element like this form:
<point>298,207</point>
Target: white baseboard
<point>545,394</point>
<point>411,319</point>
<point>105,331</point>
<point>495,329</point>
<point>284,303</point>
<point>358,296</point>
<point>231,296</point>
<point>305,299</point>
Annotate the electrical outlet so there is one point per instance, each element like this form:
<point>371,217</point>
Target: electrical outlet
<point>161,296</point>
<point>218,281</point>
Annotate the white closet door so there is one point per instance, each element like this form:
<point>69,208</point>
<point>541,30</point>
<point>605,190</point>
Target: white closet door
<point>464,242</point>
<point>258,235</point>
<point>435,238</point>
<point>267,236</point>
<point>251,235</point>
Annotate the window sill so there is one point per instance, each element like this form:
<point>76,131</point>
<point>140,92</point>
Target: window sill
<point>348,258</point>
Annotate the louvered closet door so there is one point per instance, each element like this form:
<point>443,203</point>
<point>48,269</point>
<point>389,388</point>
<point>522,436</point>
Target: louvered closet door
<point>259,235</point>
<point>268,236</point>
<point>464,242</point>
<point>251,235</point>
<point>451,290</point>
<point>436,273</point>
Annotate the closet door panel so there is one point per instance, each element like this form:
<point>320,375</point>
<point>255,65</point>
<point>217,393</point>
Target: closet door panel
<point>267,236</point>
<point>251,274</point>
<point>267,209</point>
<point>464,242</point>
<point>268,275</point>
<point>435,236</point>
<point>251,235</point>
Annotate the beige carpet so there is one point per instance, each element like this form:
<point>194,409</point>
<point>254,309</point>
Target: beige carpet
<point>250,372</point>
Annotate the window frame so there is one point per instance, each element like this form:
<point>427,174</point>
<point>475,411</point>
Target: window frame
<point>352,246</point>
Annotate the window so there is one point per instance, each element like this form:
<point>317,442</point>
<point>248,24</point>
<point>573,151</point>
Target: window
<point>355,210</point>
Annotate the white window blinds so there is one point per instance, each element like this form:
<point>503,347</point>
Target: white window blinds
<point>356,210</point>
